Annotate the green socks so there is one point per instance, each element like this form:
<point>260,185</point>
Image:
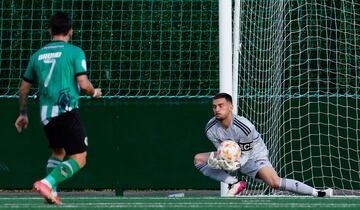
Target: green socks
<point>62,172</point>
<point>52,163</point>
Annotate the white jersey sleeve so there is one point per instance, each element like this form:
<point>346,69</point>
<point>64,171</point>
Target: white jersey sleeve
<point>250,141</point>
<point>245,132</point>
<point>210,132</point>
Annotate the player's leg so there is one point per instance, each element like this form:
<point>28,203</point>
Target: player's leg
<point>235,186</point>
<point>62,172</point>
<point>75,145</point>
<point>270,177</point>
<point>57,156</point>
<point>53,131</point>
<point>71,132</point>
<point>67,169</point>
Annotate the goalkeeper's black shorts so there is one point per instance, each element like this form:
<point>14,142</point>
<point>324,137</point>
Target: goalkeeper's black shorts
<point>68,132</point>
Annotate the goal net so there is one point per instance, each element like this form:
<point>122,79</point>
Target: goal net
<point>299,84</point>
<point>134,48</point>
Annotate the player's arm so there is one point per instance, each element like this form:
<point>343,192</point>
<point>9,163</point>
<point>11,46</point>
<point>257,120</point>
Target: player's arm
<point>86,86</point>
<point>22,121</point>
<point>81,77</point>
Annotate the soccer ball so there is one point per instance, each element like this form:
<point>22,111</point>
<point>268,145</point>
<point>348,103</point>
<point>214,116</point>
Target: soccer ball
<point>229,151</point>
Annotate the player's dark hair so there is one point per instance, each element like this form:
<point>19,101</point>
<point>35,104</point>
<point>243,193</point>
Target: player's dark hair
<point>60,23</point>
<point>227,97</point>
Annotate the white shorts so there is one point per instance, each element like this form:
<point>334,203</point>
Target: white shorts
<point>252,167</point>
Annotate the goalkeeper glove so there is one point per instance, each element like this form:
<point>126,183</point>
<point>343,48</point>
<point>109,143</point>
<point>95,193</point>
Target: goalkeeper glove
<point>213,162</point>
<point>229,165</point>
<point>234,165</point>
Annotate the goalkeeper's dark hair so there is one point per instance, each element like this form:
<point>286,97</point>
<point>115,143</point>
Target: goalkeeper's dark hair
<point>60,23</point>
<point>227,97</point>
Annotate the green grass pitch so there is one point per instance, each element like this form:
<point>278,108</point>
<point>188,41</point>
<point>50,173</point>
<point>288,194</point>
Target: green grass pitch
<point>199,203</point>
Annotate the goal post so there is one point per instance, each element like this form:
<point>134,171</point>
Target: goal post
<point>225,56</point>
<point>229,49</point>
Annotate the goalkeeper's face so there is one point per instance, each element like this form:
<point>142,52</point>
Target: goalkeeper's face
<point>222,109</point>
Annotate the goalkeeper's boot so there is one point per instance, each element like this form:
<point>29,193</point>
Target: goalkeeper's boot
<point>326,193</point>
<point>46,192</point>
<point>236,188</point>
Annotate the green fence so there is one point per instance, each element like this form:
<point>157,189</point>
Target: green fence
<point>150,144</point>
<point>132,144</point>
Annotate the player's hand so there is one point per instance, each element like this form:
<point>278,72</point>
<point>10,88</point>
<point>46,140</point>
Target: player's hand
<point>213,162</point>
<point>229,166</point>
<point>97,93</point>
<point>21,123</point>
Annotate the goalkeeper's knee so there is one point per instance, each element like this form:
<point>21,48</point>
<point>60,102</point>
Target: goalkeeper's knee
<point>200,158</point>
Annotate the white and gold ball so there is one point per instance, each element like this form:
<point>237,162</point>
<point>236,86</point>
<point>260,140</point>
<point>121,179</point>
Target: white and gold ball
<point>229,151</point>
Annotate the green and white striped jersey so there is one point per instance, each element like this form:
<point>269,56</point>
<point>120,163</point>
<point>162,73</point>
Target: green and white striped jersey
<point>55,67</point>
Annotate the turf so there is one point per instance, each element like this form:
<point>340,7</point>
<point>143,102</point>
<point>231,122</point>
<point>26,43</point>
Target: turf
<point>199,203</point>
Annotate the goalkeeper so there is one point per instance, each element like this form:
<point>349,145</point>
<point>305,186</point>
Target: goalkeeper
<point>253,161</point>
<point>59,69</point>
